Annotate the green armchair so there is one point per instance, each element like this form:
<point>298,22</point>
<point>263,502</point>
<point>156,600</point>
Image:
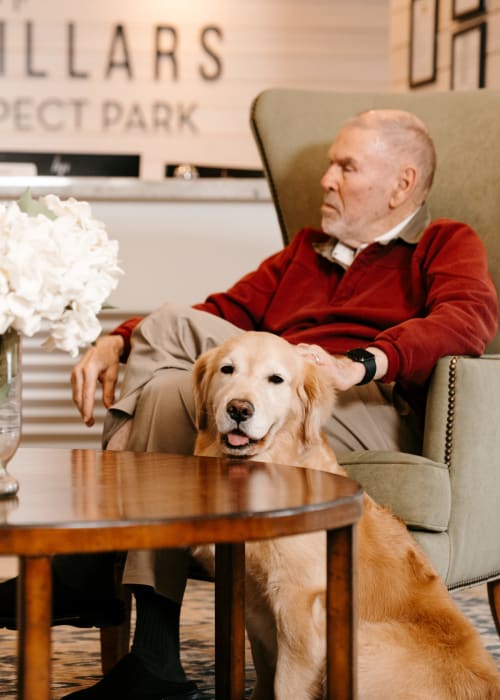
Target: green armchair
<point>449,496</point>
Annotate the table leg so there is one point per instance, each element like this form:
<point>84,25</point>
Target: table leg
<point>341,614</point>
<point>34,610</point>
<point>230,621</point>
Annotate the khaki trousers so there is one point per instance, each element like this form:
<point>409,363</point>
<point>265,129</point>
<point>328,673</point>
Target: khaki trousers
<point>156,409</point>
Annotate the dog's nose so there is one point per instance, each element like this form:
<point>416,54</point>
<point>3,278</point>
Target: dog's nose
<point>240,410</point>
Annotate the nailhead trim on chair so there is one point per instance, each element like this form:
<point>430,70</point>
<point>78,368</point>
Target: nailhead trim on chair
<point>468,583</point>
<point>450,418</point>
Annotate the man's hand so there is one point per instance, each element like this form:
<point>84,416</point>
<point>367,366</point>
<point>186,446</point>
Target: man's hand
<point>343,372</point>
<point>100,363</point>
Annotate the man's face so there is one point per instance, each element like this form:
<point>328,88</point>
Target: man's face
<point>358,186</point>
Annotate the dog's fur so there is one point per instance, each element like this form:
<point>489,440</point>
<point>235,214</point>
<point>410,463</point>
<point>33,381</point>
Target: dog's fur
<point>257,398</point>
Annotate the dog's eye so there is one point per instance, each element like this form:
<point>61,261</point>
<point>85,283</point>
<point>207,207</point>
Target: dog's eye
<point>227,369</point>
<point>275,379</point>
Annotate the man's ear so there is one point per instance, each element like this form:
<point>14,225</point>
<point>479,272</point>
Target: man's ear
<point>405,186</point>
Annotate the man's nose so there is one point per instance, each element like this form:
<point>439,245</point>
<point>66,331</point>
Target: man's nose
<point>330,180</point>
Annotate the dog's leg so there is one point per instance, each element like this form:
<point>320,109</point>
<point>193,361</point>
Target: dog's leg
<point>301,646</point>
<point>265,667</point>
<point>261,631</point>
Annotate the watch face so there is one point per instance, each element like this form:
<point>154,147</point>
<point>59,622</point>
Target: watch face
<point>360,355</point>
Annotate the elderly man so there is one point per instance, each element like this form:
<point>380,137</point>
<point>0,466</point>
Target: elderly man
<point>377,296</point>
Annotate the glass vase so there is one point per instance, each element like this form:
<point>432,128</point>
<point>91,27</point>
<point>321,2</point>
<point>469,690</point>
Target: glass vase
<point>10,406</point>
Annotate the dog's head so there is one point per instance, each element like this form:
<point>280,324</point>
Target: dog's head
<point>254,389</point>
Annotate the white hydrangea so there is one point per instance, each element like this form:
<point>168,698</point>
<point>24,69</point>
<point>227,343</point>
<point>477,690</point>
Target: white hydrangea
<point>57,267</point>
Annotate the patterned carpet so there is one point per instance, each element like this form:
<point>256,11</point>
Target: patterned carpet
<point>76,658</point>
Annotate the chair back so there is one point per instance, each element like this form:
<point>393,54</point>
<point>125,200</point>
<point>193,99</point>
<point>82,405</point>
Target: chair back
<point>294,129</point>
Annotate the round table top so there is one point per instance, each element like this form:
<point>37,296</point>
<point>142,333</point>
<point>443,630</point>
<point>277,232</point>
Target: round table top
<point>92,500</point>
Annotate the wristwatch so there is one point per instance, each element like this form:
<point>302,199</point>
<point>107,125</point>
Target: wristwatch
<point>367,359</point>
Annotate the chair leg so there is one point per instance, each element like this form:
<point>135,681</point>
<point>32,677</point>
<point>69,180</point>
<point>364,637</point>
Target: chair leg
<point>494,598</point>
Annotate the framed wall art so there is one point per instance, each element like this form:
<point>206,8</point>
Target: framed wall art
<point>463,9</point>
<point>423,42</point>
<point>468,56</point>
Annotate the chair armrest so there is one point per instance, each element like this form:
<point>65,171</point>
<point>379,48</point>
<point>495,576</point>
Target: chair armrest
<point>462,430</point>
<point>463,399</point>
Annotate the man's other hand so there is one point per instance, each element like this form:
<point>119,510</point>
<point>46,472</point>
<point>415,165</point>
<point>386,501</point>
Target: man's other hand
<point>101,363</point>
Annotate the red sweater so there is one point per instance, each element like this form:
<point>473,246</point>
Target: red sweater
<point>416,302</point>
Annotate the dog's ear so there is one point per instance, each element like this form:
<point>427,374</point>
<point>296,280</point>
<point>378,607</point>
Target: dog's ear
<point>317,396</point>
<point>202,372</point>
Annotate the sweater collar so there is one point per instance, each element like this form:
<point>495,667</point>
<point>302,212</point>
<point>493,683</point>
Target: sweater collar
<point>411,233</point>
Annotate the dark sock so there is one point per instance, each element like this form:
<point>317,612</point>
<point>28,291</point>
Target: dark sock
<point>156,637</point>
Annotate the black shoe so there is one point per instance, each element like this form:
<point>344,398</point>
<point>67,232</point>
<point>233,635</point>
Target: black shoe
<point>69,607</point>
<point>130,680</point>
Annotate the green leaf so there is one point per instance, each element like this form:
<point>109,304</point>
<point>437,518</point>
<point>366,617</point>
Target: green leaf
<point>33,207</point>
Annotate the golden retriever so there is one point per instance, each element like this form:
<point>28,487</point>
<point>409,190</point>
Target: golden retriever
<point>258,398</point>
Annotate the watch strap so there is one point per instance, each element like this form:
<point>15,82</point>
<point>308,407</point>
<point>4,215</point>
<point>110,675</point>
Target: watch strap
<point>367,359</point>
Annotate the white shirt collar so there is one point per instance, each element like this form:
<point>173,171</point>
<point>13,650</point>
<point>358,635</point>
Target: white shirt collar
<point>345,254</point>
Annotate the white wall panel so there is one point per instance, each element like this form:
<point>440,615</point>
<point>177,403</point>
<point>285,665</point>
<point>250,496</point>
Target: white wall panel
<point>50,418</point>
<point>98,91</point>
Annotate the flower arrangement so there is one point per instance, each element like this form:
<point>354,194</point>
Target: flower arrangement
<point>57,268</point>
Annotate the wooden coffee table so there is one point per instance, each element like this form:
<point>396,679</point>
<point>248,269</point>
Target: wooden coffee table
<point>94,501</point>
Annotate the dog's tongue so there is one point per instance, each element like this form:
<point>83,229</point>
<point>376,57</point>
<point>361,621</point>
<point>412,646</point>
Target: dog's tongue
<point>237,439</point>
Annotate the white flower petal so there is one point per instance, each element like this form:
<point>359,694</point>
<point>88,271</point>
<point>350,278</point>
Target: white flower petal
<point>58,271</point>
